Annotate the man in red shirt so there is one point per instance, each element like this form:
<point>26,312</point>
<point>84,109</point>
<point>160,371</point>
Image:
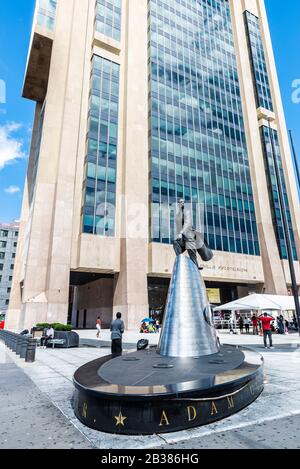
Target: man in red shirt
<point>266,320</point>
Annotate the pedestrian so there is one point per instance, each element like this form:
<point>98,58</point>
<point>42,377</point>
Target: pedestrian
<point>247,325</point>
<point>295,322</point>
<point>266,321</point>
<point>117,329</point>
<point>287,327</point>
<point>98,326</point>
<point>280,325</point>
<point>232,324</point>
<point>48,335</point>
<point>241,325</point>
<point>255,325</point>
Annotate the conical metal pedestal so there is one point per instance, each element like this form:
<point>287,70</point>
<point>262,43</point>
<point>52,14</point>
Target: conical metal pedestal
<point>188,329</point>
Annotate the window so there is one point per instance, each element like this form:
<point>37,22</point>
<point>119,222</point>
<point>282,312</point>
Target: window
<point>3,234</point>
<point>16,234</point>
<point>10,279</point>
<point>3,244</point>
<point>2,255</point>
<point>0,278</point>
<point>15,245</point>
<point>266,136</point>
<point>9,290</point>
<point>1,267</point>
<point>108,18</point>
<point>13,255</point>
<point>12,266</point>
<point>7,302</point>
<point>197,141</point>
<point>102,147</point>
<point>258,62</point>
<point>47,13</point>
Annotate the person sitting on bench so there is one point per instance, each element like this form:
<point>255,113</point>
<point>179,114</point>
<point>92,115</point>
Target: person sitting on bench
<point>48,335</point>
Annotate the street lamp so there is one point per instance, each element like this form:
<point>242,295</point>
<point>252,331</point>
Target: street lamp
<point>286,228</point>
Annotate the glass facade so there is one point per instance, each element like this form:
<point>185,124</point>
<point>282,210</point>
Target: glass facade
<point>108,18</point>
<point>198,147</point>
<point>258,62</point>
<point>46,13</point>
<point>36,154</point>
<point>102,140</point>
<point>273,191</point>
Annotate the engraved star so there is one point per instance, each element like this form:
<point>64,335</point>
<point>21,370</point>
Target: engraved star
<point>120,420</point>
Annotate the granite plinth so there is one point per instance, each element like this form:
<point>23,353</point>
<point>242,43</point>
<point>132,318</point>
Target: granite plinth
<point>143,393</point>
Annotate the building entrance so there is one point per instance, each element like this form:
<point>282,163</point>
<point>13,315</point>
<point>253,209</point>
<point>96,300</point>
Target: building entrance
<point>218,293</point>
<point>91,295</point>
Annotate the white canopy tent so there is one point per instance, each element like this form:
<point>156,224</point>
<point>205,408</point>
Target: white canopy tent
<point>256,302</point>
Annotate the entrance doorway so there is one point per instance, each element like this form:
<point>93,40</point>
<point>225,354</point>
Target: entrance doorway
<point>91,295</point>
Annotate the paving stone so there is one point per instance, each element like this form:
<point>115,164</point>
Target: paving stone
<point>271,422</point>
<point>29,419</point>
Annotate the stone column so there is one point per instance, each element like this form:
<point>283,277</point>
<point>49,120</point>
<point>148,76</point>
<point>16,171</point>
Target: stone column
<point>131,290</point>
<point>14,319</point>
<point>48,251</point>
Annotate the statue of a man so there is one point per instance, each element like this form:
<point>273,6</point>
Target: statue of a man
<point>187,238</point>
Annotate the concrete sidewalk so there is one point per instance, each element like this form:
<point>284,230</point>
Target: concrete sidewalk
<point>53,371</point>
<point>130,338</point>
<point>271,434</point>
<point>29,420</point>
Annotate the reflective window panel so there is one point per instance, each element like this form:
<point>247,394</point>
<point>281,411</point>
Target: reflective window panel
<point>198,147</point>
<point>274,194</point>
<point>258,62</point>
<point>102,140</point>
<point>46,13</point>
<point>108,18</point>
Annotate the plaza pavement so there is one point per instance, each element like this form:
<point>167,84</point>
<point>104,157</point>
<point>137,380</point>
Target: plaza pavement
<point>28,418</point>
<point>271,421</point>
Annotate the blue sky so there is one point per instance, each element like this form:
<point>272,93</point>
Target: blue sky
<point>16,114</point>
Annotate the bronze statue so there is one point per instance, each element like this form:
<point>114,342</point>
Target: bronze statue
<point>187,238</point>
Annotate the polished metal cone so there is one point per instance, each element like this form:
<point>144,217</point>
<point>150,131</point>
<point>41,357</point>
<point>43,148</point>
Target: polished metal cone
<point>188,329</point>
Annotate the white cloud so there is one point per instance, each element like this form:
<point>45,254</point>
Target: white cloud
<point>11,147</point>
<point>12,190</point>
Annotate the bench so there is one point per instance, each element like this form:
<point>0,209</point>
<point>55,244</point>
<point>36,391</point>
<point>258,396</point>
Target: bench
<point>54,342</point>
<point>38,341</point>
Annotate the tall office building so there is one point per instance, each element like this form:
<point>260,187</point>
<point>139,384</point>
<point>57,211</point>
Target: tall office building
<point>140,103</point>
<point>9,234</point>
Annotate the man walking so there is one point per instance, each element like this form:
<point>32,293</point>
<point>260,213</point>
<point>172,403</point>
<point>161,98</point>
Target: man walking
<point>117,330</point>
<point>266,320</point>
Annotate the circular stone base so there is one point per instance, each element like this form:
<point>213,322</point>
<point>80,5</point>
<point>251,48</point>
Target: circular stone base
<point>143,393</point>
